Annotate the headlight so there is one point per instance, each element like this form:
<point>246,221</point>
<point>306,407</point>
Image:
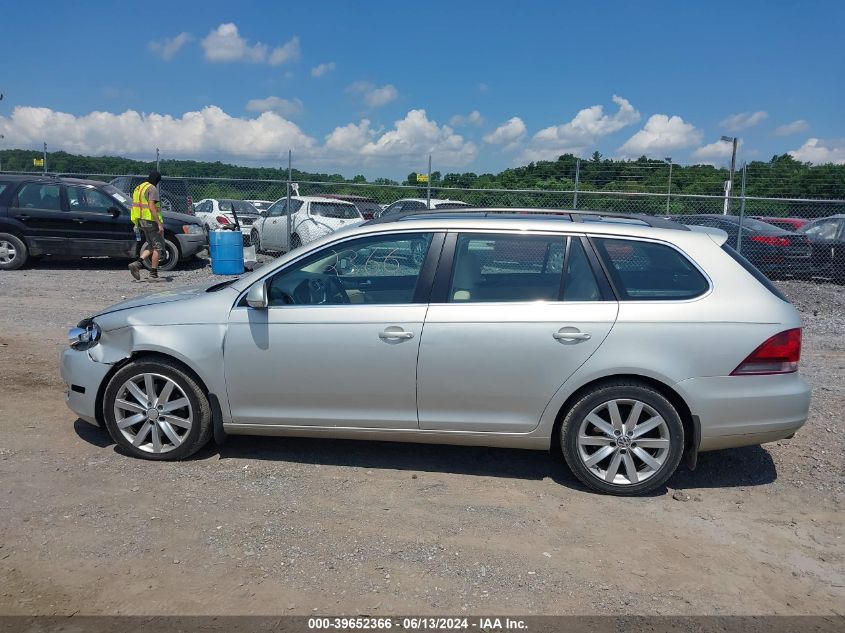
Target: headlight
<point>85,335</point>
<point>192,229</point>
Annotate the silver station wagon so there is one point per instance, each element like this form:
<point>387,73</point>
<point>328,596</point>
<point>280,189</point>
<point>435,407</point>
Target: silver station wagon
<point>628,343</point>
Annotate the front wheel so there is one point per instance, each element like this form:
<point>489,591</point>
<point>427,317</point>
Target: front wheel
<point>622,438</point>
<point>13,252</point>
<point>168,259</point>
<point>155,410</point>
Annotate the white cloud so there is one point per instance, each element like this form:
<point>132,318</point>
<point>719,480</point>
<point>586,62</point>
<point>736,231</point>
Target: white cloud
<point>482,87</point>
<point>473,118</point>
<point>660,134</point>
<point>212,133</point>
<point>167,47</point>
<point>744,120</point>
<point>322,69</point>
<point>715,153</point>
<point>287,52</point>
<point>374,96</point>
<point>286,107</point>
<point>792,128</point>
<point>225,44</point>
<point>581,132</point>
<point>510,133</point>
<point>409,142</point>
<point>208,132</point>
<point>821,151</point>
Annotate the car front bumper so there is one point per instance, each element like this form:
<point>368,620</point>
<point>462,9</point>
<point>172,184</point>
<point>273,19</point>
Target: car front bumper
<point>82,377</point>
<point>192,243</point>
<point>746,410</point>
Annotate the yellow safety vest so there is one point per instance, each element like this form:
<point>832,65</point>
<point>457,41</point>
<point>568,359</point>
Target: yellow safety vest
<point>140,207</point>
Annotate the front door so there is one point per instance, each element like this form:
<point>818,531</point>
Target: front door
<point>508,332</point>
<point>38,206</point>
<point>99,225</point>
<point>338,344</point>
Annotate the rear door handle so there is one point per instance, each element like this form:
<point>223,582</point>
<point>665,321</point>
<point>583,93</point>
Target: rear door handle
<point>394,334</point>
<point>571,334</point>
<point>79,220</point>
<point>23,216</point>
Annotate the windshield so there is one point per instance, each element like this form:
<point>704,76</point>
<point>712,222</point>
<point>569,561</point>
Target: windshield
<point>239,206</point>
<point>368,207</point>
<point>335,210</point>
<point>116,193</point>
<point>261,206</point>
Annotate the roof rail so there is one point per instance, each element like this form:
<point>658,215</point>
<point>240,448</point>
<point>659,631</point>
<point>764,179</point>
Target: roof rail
<point>571,215</point>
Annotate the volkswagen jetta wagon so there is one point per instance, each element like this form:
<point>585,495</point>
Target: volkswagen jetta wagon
<point>628,343</point>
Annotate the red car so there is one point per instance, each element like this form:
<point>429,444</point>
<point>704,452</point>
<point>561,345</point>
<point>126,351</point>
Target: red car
<point>790,224</point>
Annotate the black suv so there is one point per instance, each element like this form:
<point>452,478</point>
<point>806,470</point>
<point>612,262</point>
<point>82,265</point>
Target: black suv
<point>69,216</point>
<point>174,193</point>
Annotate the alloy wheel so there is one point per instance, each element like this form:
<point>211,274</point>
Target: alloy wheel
<point>153,413</point>
<point>8,252</point>
<point>623,441</point>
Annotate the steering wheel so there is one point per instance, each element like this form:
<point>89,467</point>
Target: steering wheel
<point>326,291</point>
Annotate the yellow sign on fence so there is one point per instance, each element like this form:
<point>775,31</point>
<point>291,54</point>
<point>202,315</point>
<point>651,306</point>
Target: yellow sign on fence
<point>422,177</point>
<point>38,162</point>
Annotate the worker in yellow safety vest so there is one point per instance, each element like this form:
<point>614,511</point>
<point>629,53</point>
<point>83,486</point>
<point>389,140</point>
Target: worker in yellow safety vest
<point>146,216</point>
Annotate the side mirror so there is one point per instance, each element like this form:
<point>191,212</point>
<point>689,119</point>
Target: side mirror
<point>257,296</point>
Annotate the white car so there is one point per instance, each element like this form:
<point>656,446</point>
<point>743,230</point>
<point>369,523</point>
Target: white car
<point>260,205</point>
<point>311,217</point>
<point>219,213</point>
<point>419,204</point>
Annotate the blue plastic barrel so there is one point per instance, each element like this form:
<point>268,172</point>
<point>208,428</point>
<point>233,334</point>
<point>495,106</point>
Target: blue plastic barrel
<point>227,252</point>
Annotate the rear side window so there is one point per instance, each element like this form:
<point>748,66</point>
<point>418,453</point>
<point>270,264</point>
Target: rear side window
<point>752,270</point>
<point>37,196</point>
<point>647,271</point>
<point>507,268</point>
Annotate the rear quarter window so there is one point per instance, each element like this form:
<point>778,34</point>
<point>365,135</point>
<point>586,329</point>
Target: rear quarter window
<point>648,271</point>
<point>752,270</point>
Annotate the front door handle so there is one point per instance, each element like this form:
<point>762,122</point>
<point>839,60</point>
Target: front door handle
<point>394,333</point>
<point>571,334</point>
<point>79,220</point>
<point>22,216</point>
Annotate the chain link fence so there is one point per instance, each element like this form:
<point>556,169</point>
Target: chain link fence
<point>816,251</point>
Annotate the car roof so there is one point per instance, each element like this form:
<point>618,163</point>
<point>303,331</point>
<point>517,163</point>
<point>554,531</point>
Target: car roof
<point>348,197</point>
<point>319,199</point>
<point>433,200</point>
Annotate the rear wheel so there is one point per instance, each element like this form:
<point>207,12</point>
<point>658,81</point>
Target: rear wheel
<point>622,438</point>
<point>295,242</point>
<point>155,410</point>
<point>256,240</point>
<point>13,252</point>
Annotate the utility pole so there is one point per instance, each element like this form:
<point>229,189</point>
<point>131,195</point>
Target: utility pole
<point>730,185</point>
<point>577,180</point>
<point>669,190</point>
<point>741,211</point>
<point>45,159</point>
<point>428,185</point>
<point>157,161</point>
<point>1,138</point>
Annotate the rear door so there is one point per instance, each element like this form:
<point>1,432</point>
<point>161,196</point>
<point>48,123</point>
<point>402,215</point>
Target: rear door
<point>506,328</point>
<point>99,225</point>
<point>825,239</point>
<point>37,206</point>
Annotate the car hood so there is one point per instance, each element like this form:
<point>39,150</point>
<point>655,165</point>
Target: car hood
<point>182,218</point>
<point>167,296</point>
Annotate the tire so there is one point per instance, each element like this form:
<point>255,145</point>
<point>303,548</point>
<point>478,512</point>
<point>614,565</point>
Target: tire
<point>590,417</point>
<point>256,240</point>
<point>13,252</point>
<point>168,261</point>
<point>196,412</point>
<point>295,241</point>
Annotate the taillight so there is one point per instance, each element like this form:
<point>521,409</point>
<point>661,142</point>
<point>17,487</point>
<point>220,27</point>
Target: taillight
<point>778,355</point>
<point>771,240</point>
<point>190,205</point>
<point>222,219</point>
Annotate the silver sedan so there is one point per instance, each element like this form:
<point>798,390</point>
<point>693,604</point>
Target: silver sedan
<point>626,344</point>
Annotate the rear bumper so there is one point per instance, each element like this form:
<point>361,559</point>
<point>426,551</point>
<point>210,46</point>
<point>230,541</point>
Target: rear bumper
<point>82,377</point>
<point>192,244</point>
<point>746,410</point>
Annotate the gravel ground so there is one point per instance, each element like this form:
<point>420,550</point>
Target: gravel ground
<point>297,526</point>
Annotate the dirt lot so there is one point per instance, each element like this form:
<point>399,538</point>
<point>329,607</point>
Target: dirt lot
<point>274,525</point>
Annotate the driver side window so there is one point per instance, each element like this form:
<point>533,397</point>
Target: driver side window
<point>379,270</point>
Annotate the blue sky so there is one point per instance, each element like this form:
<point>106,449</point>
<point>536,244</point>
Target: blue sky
<point>238,81</point>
